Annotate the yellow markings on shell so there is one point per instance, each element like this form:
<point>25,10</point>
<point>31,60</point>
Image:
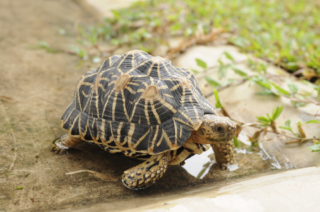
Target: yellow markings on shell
<point>167,139</point>
<point>101,86</point>
<point>152,80</point>
<point>155,113</point>
<point>133,83</point>
<point>119,129</point>
<point>86,105</point>
<point>183,97</point>
<point>162,87</point>
<point>97,106</point>
<point>139,141</point>
<point>132,60</point>
<point>78,88</point>
<point>95,139</point>
<point>87,83</point>
<point>175,133</point>
<point>130,90</point>
<point>158,70</point>
<point>146,112</point>
<point>160,140</point>
<point>150,69</point>
<point>167,70</point>
<point>102,129</point>
<point>140,90</point>
<point>68,116</point>
<point>181,121</point>
<point>111,83</point>
<point>134,110</point>
<point>187,117</point>
<point>111,138</point>
<point>120,65</point>
<point>124,105</point>
<point>130,134</point>
<point>105,79</point>
<point>169,106</point>
<point>74,121</point>
<point>154,139</point>
<point>106,103</point>
<point>194,108</point>
<point>180,131</point>
<point>145,84</point>
<point>114,106</point>
<point>175,87</point>
<point>168,95</point>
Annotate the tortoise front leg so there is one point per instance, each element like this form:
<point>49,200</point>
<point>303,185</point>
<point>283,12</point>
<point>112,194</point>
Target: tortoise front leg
<point>146,173</point>
<point>63,143</point>
<point>223,152</point>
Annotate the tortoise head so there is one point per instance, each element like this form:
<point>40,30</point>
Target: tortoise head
<point>214,129</point>
<point>218,132</point>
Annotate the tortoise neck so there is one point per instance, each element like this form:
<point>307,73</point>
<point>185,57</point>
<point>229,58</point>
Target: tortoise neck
<point>196,137</point>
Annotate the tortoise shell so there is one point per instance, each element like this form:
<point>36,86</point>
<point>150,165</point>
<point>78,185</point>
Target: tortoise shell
<point>137,103</point>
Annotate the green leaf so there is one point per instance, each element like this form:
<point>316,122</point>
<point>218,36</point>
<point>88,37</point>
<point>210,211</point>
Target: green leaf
<point>265,92</point>
<point>281,90</point>
<point>18,188</point>
<point>222,72</point>
<point>285,128</point>
<point>262,82</point>
<point>235,141</point>
<point>313,122</point>
<point>276,112</point>
<point>293,87</point>
<point>218,103</point>
<point>229,56</point>
<point>239,72</point>
<point>212,82</point>
<point>315,148</point>
<point>288,123</point>
<point>263,120</point>
<point>201,63</point>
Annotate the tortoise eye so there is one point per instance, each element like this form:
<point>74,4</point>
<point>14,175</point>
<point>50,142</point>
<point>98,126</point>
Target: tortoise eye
<point>220,129</point>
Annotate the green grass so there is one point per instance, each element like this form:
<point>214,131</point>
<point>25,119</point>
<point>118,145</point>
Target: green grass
<point>286,33</point>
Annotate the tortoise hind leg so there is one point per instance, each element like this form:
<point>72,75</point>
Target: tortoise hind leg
<point>146,173</point>
<point>63,143</point>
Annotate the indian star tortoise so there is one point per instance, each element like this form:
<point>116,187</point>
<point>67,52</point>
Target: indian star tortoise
<point>145,108</point>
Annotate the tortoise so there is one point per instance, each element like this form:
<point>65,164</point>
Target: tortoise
<point>146,108</point>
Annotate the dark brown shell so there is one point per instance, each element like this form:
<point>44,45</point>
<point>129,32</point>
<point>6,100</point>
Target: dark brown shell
<point>136,102</point>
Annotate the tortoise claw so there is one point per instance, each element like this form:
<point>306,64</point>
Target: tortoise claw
<point>56,146</point>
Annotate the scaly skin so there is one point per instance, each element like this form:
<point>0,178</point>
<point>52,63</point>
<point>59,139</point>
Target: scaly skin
<point>63,143</point>
<point>223,152</point>
<point>146,173</point>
